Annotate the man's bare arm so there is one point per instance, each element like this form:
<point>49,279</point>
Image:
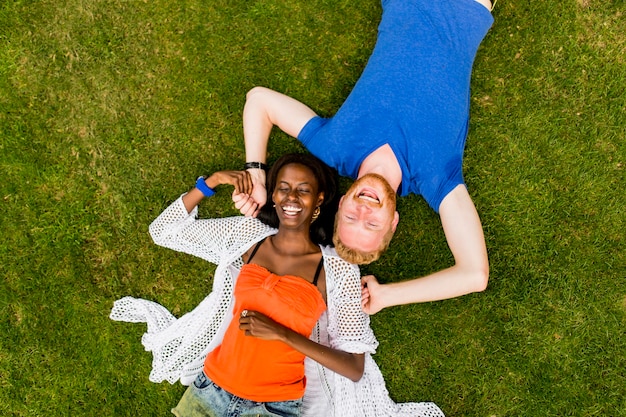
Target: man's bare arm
<point>470,273</point>
<point>263,110</point>
<point>486,3</point>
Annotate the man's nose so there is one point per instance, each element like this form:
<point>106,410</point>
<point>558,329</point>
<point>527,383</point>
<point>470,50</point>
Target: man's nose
<point>363,209</point>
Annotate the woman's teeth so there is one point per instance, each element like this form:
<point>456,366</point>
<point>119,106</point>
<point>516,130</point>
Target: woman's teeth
<point>289,210</point>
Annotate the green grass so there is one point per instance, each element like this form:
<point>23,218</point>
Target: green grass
<point>110,109</point>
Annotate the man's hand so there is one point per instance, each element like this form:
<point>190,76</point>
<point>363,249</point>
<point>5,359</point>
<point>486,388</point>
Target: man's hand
<point>371,295</point>
<point>245,204</point>
<point>259,325</point>
<point>250,202</point>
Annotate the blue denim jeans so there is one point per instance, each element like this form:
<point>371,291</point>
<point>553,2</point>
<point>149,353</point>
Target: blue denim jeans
<point>204,398</point>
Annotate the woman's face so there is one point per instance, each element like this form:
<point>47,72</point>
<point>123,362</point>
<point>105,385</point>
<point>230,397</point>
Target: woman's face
<point>296,195</point>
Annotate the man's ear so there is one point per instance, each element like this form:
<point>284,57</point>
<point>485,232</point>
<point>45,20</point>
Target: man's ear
<point>396,219</point>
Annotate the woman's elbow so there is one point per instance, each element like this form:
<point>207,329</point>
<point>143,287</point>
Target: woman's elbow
<point>154,232</point>
<point>357,378</point>
<point>158,233</point>
<point>358,369</point>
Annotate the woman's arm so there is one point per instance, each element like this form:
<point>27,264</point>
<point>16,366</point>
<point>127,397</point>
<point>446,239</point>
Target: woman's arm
<point>350,365</point>
<point>348,325</point>
<point>239,179</point>
<point>178,229</point>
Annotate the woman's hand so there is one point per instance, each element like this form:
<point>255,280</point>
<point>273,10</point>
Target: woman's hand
<point>259,325</point>
<point>350,365</point>
<point>241,180</point>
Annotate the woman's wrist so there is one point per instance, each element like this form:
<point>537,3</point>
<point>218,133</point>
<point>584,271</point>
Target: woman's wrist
<point>206,186</point>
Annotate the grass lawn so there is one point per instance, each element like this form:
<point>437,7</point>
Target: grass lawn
<point>109,109</point>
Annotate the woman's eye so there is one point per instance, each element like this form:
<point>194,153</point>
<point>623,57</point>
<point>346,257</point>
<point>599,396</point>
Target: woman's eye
<point>304,191</point>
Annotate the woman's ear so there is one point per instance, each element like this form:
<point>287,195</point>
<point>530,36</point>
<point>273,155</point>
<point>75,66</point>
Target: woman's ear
<point>320,199</point>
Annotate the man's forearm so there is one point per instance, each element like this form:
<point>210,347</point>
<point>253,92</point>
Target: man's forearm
<point>448,283</point>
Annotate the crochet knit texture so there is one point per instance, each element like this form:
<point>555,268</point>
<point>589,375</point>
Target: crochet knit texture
<point>179,345</point>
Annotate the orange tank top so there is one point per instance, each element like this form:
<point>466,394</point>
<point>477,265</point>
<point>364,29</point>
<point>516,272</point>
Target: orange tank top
<point>262,370</point>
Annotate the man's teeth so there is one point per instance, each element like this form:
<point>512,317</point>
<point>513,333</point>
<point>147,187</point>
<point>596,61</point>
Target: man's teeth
<point>368,198</point>
<point>292,210</point>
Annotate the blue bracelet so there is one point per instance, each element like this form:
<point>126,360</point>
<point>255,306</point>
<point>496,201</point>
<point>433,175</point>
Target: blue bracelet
<point>201,185</point>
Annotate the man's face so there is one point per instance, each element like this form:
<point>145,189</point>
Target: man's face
<point>366,213</point>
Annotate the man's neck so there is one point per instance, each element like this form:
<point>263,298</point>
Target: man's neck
<point>384,163</point>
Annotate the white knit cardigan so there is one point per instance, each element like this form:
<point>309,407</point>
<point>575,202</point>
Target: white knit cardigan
<point>179,346</point>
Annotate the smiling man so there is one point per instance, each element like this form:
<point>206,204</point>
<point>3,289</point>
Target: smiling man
<point>401,130</point>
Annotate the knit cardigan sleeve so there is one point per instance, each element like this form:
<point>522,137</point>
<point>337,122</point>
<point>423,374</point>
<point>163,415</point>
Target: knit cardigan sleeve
<point>348,326</point>
<point>210,239</point>
<point>179,345</point>
<point>348,329</point>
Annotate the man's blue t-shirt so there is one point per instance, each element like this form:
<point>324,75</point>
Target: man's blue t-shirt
<point>413,94</point>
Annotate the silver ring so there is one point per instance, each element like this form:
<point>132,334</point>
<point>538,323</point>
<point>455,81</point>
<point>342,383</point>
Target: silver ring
<point>244,313</point>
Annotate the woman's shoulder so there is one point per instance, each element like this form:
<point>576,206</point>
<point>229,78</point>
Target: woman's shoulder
<point>335,262</point>
<point>329,252</point>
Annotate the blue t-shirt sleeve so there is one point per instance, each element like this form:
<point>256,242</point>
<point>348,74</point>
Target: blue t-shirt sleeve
<point>333,144</point>
<point>311,137</point>
<point>434,193</point>
<point>310,129</point>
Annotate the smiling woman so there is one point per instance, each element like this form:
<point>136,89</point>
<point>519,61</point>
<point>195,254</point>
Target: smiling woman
<point>296,196</point>
<point>279,184</point>
<point>280,299</point>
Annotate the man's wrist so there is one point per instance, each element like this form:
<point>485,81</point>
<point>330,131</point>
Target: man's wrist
<point>257,175</point>
<point>256,165</point>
